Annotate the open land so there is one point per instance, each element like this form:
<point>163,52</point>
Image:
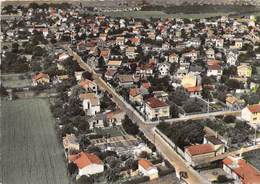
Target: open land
<point>29,146</point>
<point>16,80</point>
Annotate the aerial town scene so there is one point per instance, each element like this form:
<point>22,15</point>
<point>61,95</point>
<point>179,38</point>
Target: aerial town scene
<point>130,92</point>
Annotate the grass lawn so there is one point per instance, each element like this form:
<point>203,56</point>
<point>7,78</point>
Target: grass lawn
<point>112,131</point>
<point>29,147</point>
<point>16,80</point>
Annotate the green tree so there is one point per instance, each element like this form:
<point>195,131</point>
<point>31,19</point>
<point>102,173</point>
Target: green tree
<point>101,63</point>
<point>129,126</point>
<point>3,91</point>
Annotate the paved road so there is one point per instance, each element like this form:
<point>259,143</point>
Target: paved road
<point>146,128</point>
<point>203,116</point>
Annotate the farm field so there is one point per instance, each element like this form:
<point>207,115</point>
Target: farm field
<point>16,80</point>
<point>30,153</point>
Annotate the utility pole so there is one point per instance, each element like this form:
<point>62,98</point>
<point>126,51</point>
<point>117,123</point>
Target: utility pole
<point>208,105</point>
<point>154,138</point>
<point>256,131</point>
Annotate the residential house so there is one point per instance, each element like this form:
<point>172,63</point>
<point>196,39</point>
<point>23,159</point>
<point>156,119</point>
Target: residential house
<point>218,145</point>
<point>189,80</point>
<point>115,117</point>
<point>113,64</point>
<point>125,80</point>
<point>105,53</point>
<point>130,52</point>
<point>103,37</point>
<point>87,163</point>
<point>40,78</point>
<point>163,69</point>
<point>219,43</point>
<point>120,40</point>
<point>70,142</point>
<point>60,78</point>
<point>147,169</point>
<point>251,113</point>
<point>193,55</point>
<point>194,42</point>
<point>136,95</point>
<point>232,58</point>
<point>233,102</point>
<point>78,75</point>
<point>88,85</point>
<point>214,69</point>
<point>241,171</point>
<point>63,56</point>
<point>194,91</point>
<point>161,95</point>
<point>210,53</point>
<point>91,103</point>
<point>238,44</point>
<point>136,41</point>
<point>96,121</point>
<point>144,70</point>
<point>173,58</point>
<point>196,153</point>
<point>110,74</point>
<point>244,70</point>
<point>156,109</point>
<point>140,148</point>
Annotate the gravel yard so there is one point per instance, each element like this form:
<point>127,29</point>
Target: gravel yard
<point>30,153</point>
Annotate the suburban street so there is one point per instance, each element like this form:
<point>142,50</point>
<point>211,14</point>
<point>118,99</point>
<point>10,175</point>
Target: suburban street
<point>147,129</point>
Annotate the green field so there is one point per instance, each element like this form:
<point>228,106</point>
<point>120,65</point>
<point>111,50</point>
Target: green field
<point>112,131</point>
<point>16,80</point>
<point>30,152</point>
<point>159,14</point>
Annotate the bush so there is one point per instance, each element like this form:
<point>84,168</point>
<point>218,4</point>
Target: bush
<point>229,119</point>
<point>165,172</point>
<point>95,136</point>
<point>222,179</point>
<point>129,126</point>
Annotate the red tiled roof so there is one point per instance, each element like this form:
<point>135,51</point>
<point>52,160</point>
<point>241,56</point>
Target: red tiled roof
<point>104,53</point>
<point>194,89</point>
<point>146,164</point>
<point>40,75</point>
<point>84,159</point>
<point>213,62</point>
<point>200,149</point>
<point>247,173</point>
<point>134,92</point>
<point>110,115</point>
<point>214,67</point>
<point>110,73</point>
<point>85,82</point>
<point>135,40</point>
<point>154,102</point>
<point>146,85</point>
<point>254,108</point>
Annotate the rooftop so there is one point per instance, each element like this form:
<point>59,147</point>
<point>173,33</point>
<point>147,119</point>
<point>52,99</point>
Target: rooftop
<point>247,173</point>
<point>84,159</point>
<point>90,96</point>
<point>214,140</point>
<point>114,63</point>
<point>154,102</point>
<point>199,149</point>
<point>254,108</point>
<point>146,164</point>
